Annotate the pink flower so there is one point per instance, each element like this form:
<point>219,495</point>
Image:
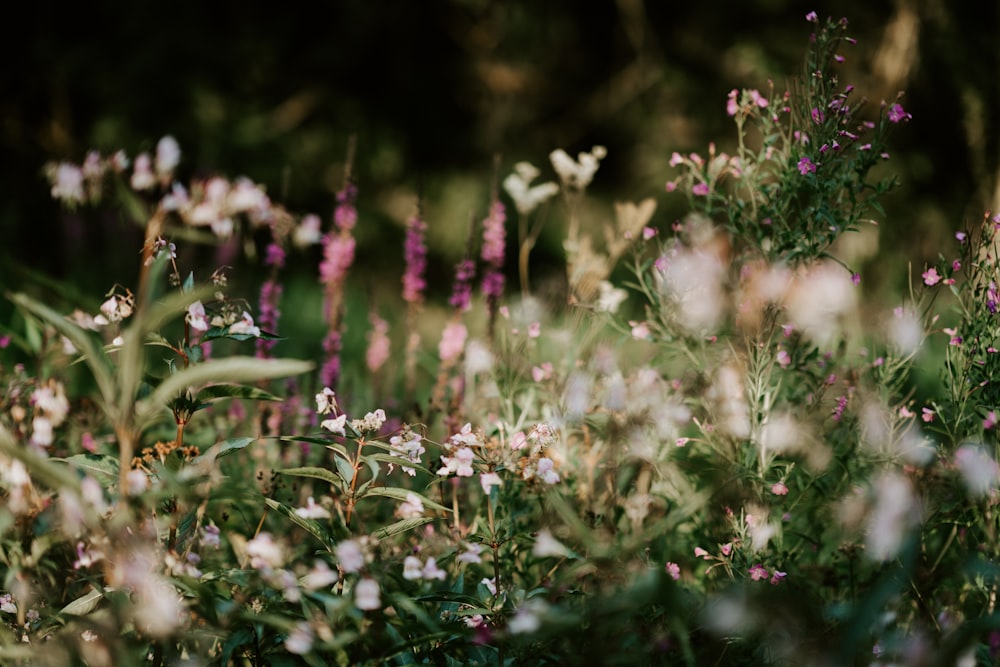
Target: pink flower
<point>990,421</point>
<point>452,341</point>
<point>779,489</point>
<point>897,113</point>
<point>674,570</point>
<point>931,276</point>
<point>927,415</point>
<point>811,17</point>
<point>701,553</point>
<point>758,572</point>
<point>806,166</point>
<point>777,577</point>
<point>700,189</point>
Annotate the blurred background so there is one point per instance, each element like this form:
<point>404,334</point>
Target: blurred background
<point>434,89</point>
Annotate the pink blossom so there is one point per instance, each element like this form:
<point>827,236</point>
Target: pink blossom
<point>701,553</point>
<point>674,570</point>
<point>931,276</point>
<point>452,341</point>
<point>700,189</point>
<point>758,572</point>
<point>779,489</point>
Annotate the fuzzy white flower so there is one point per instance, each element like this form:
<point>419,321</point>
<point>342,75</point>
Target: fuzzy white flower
<point>264,552</point>
<point>320,576</point>
<point>196,317</point>
<point>168,156</point>
<point>300,639</point>
<point>336,426</point>
<point>245,326</point>
<point>527,197</point>
<point>367,595</point>
<point>312,510</point>
<point>350,555</point>
<point>411,508</point>
<point>577,174</point>
<point>546,545</point>
<point>326,401</point>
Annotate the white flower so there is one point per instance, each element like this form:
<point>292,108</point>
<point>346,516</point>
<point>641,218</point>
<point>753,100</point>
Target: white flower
<point>168,156</point>
<point>196,317</point>
<point>7,604</point>
<point>350,556</point>
<point>300,639</point>
<point>432,571</point>
<point>68,183</point>
<point>318,577</point>
<point>488,480</point>
<point>326,401</point>
<point>518,186</point>
<point>577,175</point>
<point>527,619</point>
<point>471,553</point>
<point>307,232</point>
<point>245,326</point>
<point>312,510</point>
<point>142,173</point>
<point>547,545</point>
<point>367,595</point>
<point>545,471</point>
<point>412,568</point>
<point>412,508</point>
<point>264,552</point>
<point>335,426</point>
<point>979,470</point>
<point>609,298</point>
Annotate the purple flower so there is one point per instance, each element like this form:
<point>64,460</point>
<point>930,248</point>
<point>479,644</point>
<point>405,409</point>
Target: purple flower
<point>275,256</point>
<point>268,314</point>
<point>818,116</point>
<point>758,572</point>
<point>897,113</point>
<point>461,295</point>
<point>415,255</point>
<point>345,216</point>
<point>806,166</point>
<point>494,244</point>
<point>811,17</point>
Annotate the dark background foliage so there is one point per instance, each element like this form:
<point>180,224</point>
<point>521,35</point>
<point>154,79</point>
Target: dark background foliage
<point>434,89</point>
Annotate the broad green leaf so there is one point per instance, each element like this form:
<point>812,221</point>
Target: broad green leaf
<point>231,369</point>
<point>311,526</point>
<point>402,526</point>
<point>316,473</point>
<point>84,604</point>
<point>101,467</point>
<point>214,391</point>
<point>401,494</point>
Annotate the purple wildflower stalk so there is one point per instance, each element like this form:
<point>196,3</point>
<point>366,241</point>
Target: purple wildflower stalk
<point>494,244</point>
<point>461,295</point>
<point>338,255</point>
<point>414,283</point>
<point>270,298</point>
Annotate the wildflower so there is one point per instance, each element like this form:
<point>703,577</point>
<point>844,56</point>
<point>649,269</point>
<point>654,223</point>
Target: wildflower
<point>811,17</point>
<point>758,572</point>
<point>367,595</point>
<point>67,183</point>
<point>979,470</point>
<point>527,618</point>
<point>326,402</point>
<point>196,317</point>
<point>817,116</point>
<point>961,236</point>
<point>545,471</point>
<point>896,114</point>
<point>168,156</point>
<point>783,358</point>
<point>471,553</point>
<point>412,568</point>
<point>432,571</point>
<point>673,570</point>
<point>142,173</point>
<point>320,576</point>
<point>489,480</point>
<point>452,341</point>
<point>990,421</point>
<point>407,446</point>
<point>777,577</point>
<point>210,536</point>
<point>245,326</point>
<point>460,464</point>
<point>415,255</point>
<point>411,508</point>
<point>927,415</point>
<point>701,553</point>
<point>300,640</point>
<point>494,242</point>
<point>336,426</point>
<point>806,166</point>
<point>350,555</point>
<point>700,189</point>
<point>538,374</point>
<point>7,604</point>
<point>609,297</point>
<point>779,489</point>
<point>527,197</point>
<point>264,552</point>
<point>312,510</point>
<point>372,422</point>
<point>308,231</point>
<point>577,175</point>
<point>546,545</point>
<point>461,294</point>
<point>491,585</point>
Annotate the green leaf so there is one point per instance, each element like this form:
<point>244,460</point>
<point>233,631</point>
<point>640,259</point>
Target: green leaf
<point>215,391</point>
<point>84,604</point>
<point>401,494</point>
<point>316,473</point>
<point>399,461</point>
<point>402,526</point>
<point>101,467</point>
<point>311,526</point>
<point>232,369</point>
